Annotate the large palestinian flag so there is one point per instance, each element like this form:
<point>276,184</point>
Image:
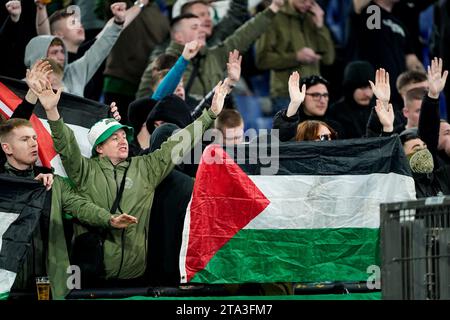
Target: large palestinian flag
<point>22,203</point>
<point>316,219</point>
<point>78,113</point>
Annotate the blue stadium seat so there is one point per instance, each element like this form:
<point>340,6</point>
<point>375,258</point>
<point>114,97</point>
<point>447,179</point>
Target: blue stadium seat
<point>250,109</point>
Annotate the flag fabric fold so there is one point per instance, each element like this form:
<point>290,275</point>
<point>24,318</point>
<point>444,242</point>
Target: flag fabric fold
<point>22,203</point>
<point>316,219</point>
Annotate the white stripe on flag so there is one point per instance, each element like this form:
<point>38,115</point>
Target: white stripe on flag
<point>81,134</point>
<point>312,202</point>
<point>6,109</point>
<point>184,243</point>
<point>6,219</point>
<point>6,277</point>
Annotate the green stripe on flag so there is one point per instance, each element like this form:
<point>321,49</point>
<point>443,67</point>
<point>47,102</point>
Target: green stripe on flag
<point>4,295</point>
<point>285,255</point>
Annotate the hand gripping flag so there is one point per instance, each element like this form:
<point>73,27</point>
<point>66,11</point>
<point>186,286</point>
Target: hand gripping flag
<point>317,219</point>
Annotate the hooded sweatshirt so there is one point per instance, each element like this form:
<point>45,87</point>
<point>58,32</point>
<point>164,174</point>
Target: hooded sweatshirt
<point>78,73</point>
<point>352,116</point>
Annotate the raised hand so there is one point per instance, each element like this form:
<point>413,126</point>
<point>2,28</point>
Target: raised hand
<point>46,179</point>
<point>119,9</point>
<point>122,221</point>
<point>297,97</point>
<point>381,88</point>
<point>317,14</point>
<point>191,49</point>
<point>48,98</point>
<point>14,9</point>
<point>436,79</point>
<point>115,111</point>
<point>38,75</point>
<point>220,92</point>
<point>234,66</point>
<point>386,115</point>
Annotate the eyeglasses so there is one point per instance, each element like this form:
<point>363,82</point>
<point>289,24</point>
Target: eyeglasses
<point>316,96</point>
<point>325,137</point>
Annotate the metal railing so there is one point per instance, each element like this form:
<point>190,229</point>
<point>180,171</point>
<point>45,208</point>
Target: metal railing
<point>415,249</point>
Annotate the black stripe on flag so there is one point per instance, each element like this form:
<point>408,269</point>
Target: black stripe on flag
<point>74,109</point>
<point>29,199</point>
<point>339,157</point>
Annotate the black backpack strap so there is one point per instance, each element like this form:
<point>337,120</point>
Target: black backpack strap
<point>116,203</point>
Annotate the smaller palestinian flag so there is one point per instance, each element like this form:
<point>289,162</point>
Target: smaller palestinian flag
<point>317,219</point>
<point>22,203</point>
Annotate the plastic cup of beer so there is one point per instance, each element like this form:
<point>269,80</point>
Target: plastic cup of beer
<point>43,288</point>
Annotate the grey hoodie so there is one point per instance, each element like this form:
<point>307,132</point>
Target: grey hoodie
<point>78,73</point>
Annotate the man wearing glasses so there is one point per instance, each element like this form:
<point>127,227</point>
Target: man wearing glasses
<point>309,103</point>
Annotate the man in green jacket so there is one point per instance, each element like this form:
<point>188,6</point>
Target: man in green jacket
<point>99,178</point>
<point>19,142</point>
<point>298,40</point>
<point>211,62</point>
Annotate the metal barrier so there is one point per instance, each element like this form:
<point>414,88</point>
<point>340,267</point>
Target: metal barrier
<point>415,249</point>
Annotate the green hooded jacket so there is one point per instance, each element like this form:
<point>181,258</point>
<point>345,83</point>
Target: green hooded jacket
<point>213,61</point>
<point>125,250</point>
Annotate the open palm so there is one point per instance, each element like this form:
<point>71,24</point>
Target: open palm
<point>381,88</point>
<point>234,66</point>
<point>436,79</point>
<point>48,98</point>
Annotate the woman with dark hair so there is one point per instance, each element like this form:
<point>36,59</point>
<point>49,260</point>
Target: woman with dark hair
<point>314,130</point>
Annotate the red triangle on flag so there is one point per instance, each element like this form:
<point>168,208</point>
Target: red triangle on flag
<point>46,149</point>
<point>224,201</point>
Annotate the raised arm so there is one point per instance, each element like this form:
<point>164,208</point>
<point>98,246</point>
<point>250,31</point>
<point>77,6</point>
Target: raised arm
<point>296,96</point>
<point>42,23</point>
<point>386,116</point>
<point>14,9</point>
<point>162,161</point>
<point>35,79</point>
<point>248,33</point>
<point>236,16</point>
<point>429,119</point>
<point>128,14</point>
<point>76,166</point>
<point>286,120</point>
<point>381,88</point>
<point>173,78</point>
<point>85,67</point>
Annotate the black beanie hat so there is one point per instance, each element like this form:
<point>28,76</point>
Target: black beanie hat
<point>409,134</point>
<point>161,135</point>
<point>357,75</point>
<point>313,80</point>
<point>138,112</point>
<point>170,109</point>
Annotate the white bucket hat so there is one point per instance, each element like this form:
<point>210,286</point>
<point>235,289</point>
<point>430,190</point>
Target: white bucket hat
<point>104,129</point>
